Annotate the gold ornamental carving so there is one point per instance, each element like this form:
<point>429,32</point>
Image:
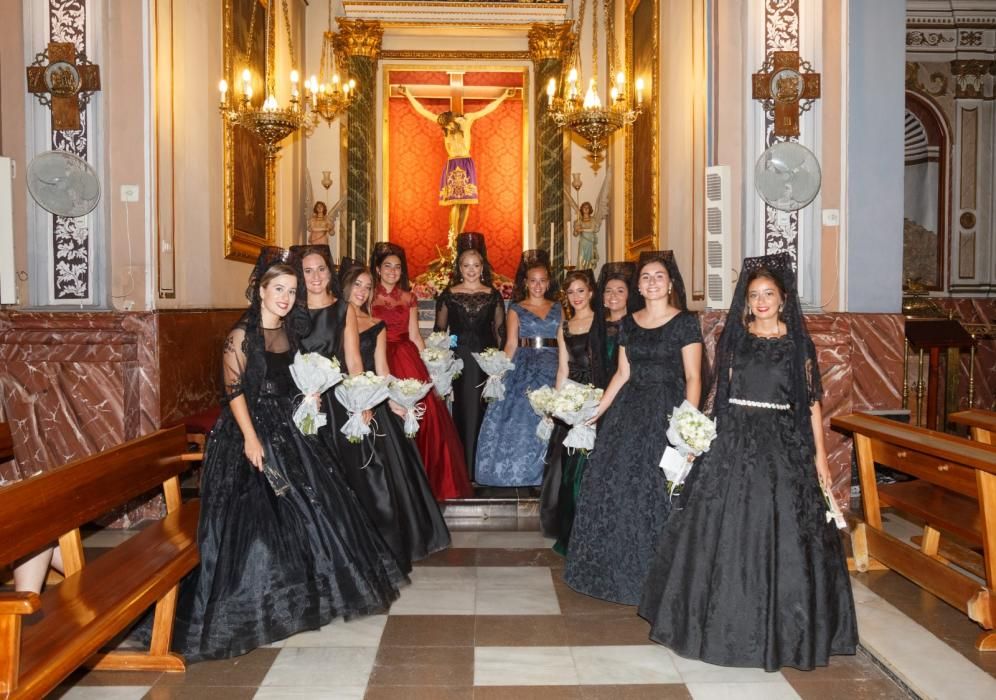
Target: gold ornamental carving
<point>359,37</point>
<point>550,40</point>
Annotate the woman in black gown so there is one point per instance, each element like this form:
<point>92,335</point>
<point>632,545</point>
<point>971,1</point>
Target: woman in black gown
<point>273,565</point>
<point>748,571</point>
<point>563,468</point>
<point>385,469</point>
<point>623,501</point>
<point>613,302</point>
<point>473,311</point>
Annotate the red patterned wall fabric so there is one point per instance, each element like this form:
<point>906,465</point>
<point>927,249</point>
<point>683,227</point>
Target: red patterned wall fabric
<point>416,158</point>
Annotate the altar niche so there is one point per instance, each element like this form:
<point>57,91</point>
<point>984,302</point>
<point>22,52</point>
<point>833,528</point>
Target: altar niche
<point>415,156</point>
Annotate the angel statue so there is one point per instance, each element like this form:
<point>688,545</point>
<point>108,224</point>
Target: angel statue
<point>588,222</point>
<point>321,223</point>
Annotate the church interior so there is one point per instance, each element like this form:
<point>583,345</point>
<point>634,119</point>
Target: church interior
<point>856,136</point>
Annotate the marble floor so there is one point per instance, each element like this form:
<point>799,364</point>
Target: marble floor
<point>491,618</point>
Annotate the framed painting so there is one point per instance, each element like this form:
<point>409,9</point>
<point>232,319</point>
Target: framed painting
<point>250,192</point>
<point>642,61</point>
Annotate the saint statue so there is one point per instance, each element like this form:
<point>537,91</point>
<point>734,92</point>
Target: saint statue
<point>458,184</point>
<point>321,228</point>
<point>587,223</point>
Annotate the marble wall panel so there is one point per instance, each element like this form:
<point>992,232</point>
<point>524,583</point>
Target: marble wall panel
<point>189,345</point>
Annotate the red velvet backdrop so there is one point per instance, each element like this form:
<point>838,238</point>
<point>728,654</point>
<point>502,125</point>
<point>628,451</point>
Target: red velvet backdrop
<point>416,158</point>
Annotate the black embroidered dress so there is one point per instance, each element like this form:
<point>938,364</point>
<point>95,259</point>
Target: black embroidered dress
<point>748,572</point>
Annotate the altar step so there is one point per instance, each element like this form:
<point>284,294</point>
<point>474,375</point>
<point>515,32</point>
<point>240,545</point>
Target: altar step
<point>494,508</point>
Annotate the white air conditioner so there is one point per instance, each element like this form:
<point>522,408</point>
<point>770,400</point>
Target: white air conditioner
<point>8,284</point>
<point>718,239</point>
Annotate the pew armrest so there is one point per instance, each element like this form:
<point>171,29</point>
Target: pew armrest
<point>19,603</point>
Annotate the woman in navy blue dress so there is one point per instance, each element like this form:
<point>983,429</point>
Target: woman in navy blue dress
<point>508,451</point>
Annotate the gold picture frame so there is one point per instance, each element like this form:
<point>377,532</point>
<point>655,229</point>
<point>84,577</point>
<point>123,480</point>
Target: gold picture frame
<point>249,175</point>
<point>642,175</point>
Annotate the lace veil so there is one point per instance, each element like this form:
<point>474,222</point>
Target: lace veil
<point>806,385</point>
<point>666,258</point>
<point>471,240</point>
<point>300,252</point>
<point>536,257</point>
<point>380,252</point>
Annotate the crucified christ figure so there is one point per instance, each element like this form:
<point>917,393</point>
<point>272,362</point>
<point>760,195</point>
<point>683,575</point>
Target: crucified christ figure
<point>458,184</point>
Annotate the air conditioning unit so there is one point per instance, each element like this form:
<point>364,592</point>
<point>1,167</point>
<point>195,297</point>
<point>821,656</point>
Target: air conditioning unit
<point>8,283</point>
<point>718,238</point>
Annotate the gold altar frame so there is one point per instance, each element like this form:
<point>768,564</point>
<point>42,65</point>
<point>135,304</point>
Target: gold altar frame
<point>642,49</point>
<point>430,62</point>
<point>241,243</point>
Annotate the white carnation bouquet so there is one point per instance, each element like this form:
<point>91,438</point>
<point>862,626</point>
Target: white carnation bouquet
<point>495,364</point>
<point>314,374</point>
<point>690,434</point>
<point>576,404</point>
<point>443,367</point>
<point>542,402</point>
<point>407,393</point>
<point>358,393</point>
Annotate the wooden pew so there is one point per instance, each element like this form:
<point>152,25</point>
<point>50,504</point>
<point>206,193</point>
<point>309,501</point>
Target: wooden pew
<point>954,493</point>
<point>44,638</point>
<point>981,423</point>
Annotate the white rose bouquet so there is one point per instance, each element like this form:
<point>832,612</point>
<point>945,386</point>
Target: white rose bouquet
<point>542,402</point>
<point>443,368</point>
<point>358,393</point>
<point>407,393</point>
<point>314,374</point>
<point>691,433</point>
<point>576,404</point>
<point>495,364</point>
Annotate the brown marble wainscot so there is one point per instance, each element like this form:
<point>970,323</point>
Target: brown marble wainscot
<point>72,384</point>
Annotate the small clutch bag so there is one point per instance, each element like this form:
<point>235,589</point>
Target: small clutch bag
<point>278,482</point>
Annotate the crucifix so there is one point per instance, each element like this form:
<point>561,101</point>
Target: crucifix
<point>787,86</point>
<point>63,79</point>
<point>458,184</point>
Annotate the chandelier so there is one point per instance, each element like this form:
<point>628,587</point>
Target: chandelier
<point>586,114</point>
<point>269,122</point>
<point>330,94</point>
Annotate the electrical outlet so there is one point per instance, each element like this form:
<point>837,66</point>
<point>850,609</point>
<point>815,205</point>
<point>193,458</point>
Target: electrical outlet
<point>831,217</point>
<point>129,193</point>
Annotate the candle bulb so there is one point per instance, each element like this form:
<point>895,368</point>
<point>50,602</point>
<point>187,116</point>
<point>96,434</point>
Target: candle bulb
<point>551,89</point>
<point>223,89</point>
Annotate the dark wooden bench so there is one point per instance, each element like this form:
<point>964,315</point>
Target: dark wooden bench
<point>982,424</point>
<point>955,494</point>
<point>44,638</point>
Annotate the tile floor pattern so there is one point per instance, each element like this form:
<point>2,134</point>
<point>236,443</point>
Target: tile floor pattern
<point>488,619</point>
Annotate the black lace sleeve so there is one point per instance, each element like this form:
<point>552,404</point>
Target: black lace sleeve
<point>691,330</point>
<point>621,334</point>
<point>498,322</point>
<point>233,364</point>
<point>813,382</point>
<point>442,312</point>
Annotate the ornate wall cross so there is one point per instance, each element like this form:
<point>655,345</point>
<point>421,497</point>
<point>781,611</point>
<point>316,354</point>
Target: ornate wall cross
<point>787,86</point>
<point>63,79</point>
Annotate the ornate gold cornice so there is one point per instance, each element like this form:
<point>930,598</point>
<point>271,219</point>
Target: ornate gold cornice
<point>359,37</point>
<point>550,40</point>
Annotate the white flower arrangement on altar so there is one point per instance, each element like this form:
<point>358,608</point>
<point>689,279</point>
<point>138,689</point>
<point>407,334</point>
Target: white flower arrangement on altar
<point>495,364</point>
<point>690,433</point>
<point>576,404</point>
<point>443,367</point>
<point>407,393</point>
<point>314,374</point>
<point>358,393</point>
<point>542,402</point>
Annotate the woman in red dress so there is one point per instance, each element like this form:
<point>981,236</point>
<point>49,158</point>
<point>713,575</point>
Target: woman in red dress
<point>437,437</point>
